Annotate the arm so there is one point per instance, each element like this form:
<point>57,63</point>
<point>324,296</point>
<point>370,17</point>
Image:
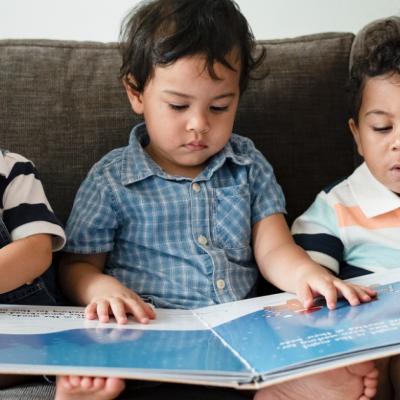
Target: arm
<point>24,260</point>
<point>84,282</point>
<point>287,266</point>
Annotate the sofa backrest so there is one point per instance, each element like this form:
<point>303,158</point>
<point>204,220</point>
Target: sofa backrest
<point>62,106</point>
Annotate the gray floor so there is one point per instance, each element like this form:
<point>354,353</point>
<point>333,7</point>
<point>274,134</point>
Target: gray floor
<point>31,391</point>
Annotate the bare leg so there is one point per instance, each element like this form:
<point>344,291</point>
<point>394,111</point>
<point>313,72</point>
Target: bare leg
<point>81,388</point>
<point>356,382</point>
<point>394,373</point>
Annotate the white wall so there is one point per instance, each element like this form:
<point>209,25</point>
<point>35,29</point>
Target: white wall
<point>100,19</point>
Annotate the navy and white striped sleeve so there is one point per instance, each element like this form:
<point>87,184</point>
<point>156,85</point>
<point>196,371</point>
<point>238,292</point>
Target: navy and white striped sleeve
<point>317,232</point>
<point>25,208</point>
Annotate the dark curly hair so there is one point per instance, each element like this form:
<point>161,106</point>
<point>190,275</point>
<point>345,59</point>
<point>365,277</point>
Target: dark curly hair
<point>375,52</point>
<point>159,32</point>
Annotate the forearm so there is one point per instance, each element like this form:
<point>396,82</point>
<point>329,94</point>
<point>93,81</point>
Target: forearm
<point>82,280</point>
<point>24,260</point>
<point>284,266</point>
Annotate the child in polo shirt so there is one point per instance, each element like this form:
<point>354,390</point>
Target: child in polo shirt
<point>353,227</point>
<point>29,232</point>
<point>188,213</point>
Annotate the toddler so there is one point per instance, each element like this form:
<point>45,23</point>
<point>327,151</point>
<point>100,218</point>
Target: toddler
<point>29,232</point>
<point>188,213</point>
<point>353,226</point>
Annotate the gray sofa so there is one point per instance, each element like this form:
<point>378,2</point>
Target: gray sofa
<point>62,106</point>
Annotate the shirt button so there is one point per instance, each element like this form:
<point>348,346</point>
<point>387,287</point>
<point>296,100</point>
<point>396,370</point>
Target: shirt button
<point>220,284</point>
<point>196,187</point>
<point>202,240</point>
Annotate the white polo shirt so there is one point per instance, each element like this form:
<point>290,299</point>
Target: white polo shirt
<point>23,204</point>
<point>356,221</point>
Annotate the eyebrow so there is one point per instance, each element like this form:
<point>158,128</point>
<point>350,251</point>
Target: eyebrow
<point>187,96</point>
<point>379,112</point>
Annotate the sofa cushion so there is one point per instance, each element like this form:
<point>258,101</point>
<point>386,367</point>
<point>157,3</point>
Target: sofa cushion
<point>62,105</point>
<point>298,114</point>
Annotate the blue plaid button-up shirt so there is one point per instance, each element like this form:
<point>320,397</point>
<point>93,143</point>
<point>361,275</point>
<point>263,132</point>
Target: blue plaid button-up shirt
<point>177,242</point>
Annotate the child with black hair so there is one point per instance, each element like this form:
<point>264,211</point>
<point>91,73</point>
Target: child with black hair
<point>188,214</point>
<point>353,227</point>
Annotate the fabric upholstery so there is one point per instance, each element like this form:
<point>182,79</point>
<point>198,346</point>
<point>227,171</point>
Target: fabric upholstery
<point>63,106</point>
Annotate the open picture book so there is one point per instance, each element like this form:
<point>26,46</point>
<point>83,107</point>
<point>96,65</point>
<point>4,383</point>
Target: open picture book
<point>246,344</point>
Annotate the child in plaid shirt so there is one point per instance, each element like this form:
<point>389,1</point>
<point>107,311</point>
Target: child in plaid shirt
<point>188,213</point>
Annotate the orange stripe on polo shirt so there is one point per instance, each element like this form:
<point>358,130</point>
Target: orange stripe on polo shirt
<point>353,216</point>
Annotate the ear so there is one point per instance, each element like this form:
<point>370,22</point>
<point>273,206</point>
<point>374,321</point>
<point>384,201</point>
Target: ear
<point>134,97</point>
<point>356,135</point>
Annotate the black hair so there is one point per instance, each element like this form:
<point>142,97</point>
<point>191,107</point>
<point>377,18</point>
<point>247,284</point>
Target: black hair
<point>375,52</point>
<point>159,32</point>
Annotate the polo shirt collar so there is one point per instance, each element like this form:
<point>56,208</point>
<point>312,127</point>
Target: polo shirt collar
<point>372,196</point>
<point>138,165</point>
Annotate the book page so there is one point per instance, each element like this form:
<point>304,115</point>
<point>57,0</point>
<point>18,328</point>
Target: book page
<point>274,334</point>
<point>48,340</point>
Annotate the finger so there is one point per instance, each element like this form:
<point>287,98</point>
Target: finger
<point>147,308</point>
<point>138,308</point>
<point>91,311</point>
<point>118,309</point>
<point>372,293</point>
<point>328,290</point>
<point>363,294</point>
<point>348,292</point>
<point>305,295</point>
<point>150,311</point>
<point>103,310</point>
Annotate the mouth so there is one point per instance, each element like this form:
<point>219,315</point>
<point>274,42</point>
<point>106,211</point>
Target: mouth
<point>395,172</point>
<point>195,146</point>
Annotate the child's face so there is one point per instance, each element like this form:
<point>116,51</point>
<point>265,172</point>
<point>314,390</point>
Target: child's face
<point>189,116</point>
<point>378,131</point>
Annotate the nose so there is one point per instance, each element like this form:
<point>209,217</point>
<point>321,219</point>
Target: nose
<point>198,123</point>
<point>396,140</point>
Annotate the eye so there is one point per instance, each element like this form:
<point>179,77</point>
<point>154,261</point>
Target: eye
<point>217,109</point>
<point>178,107</point>
<point>382,129</point>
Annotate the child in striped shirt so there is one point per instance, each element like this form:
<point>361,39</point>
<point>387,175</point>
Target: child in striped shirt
<point>353,227</point>
<point>29,232</point>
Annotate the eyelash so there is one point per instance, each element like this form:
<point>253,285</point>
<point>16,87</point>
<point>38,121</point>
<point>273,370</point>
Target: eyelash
<point>177,107</point>
<point>383,129</point>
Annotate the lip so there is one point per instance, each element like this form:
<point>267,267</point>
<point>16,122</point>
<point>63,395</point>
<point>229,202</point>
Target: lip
<point>395,171</point>
<point>195,146</point>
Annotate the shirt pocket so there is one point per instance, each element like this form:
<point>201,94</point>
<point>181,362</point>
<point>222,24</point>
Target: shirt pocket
<point>232,216</point>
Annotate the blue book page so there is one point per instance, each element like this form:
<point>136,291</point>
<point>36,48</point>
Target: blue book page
<point>116,348</point>
<point>280,337</point>
<point>120,348</point>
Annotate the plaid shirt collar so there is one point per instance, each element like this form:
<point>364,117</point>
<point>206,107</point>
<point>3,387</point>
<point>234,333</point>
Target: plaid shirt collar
<point>137,165</point>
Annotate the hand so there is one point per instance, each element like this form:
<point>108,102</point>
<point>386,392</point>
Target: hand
<point>314,280</point>
<point>120,304</point>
